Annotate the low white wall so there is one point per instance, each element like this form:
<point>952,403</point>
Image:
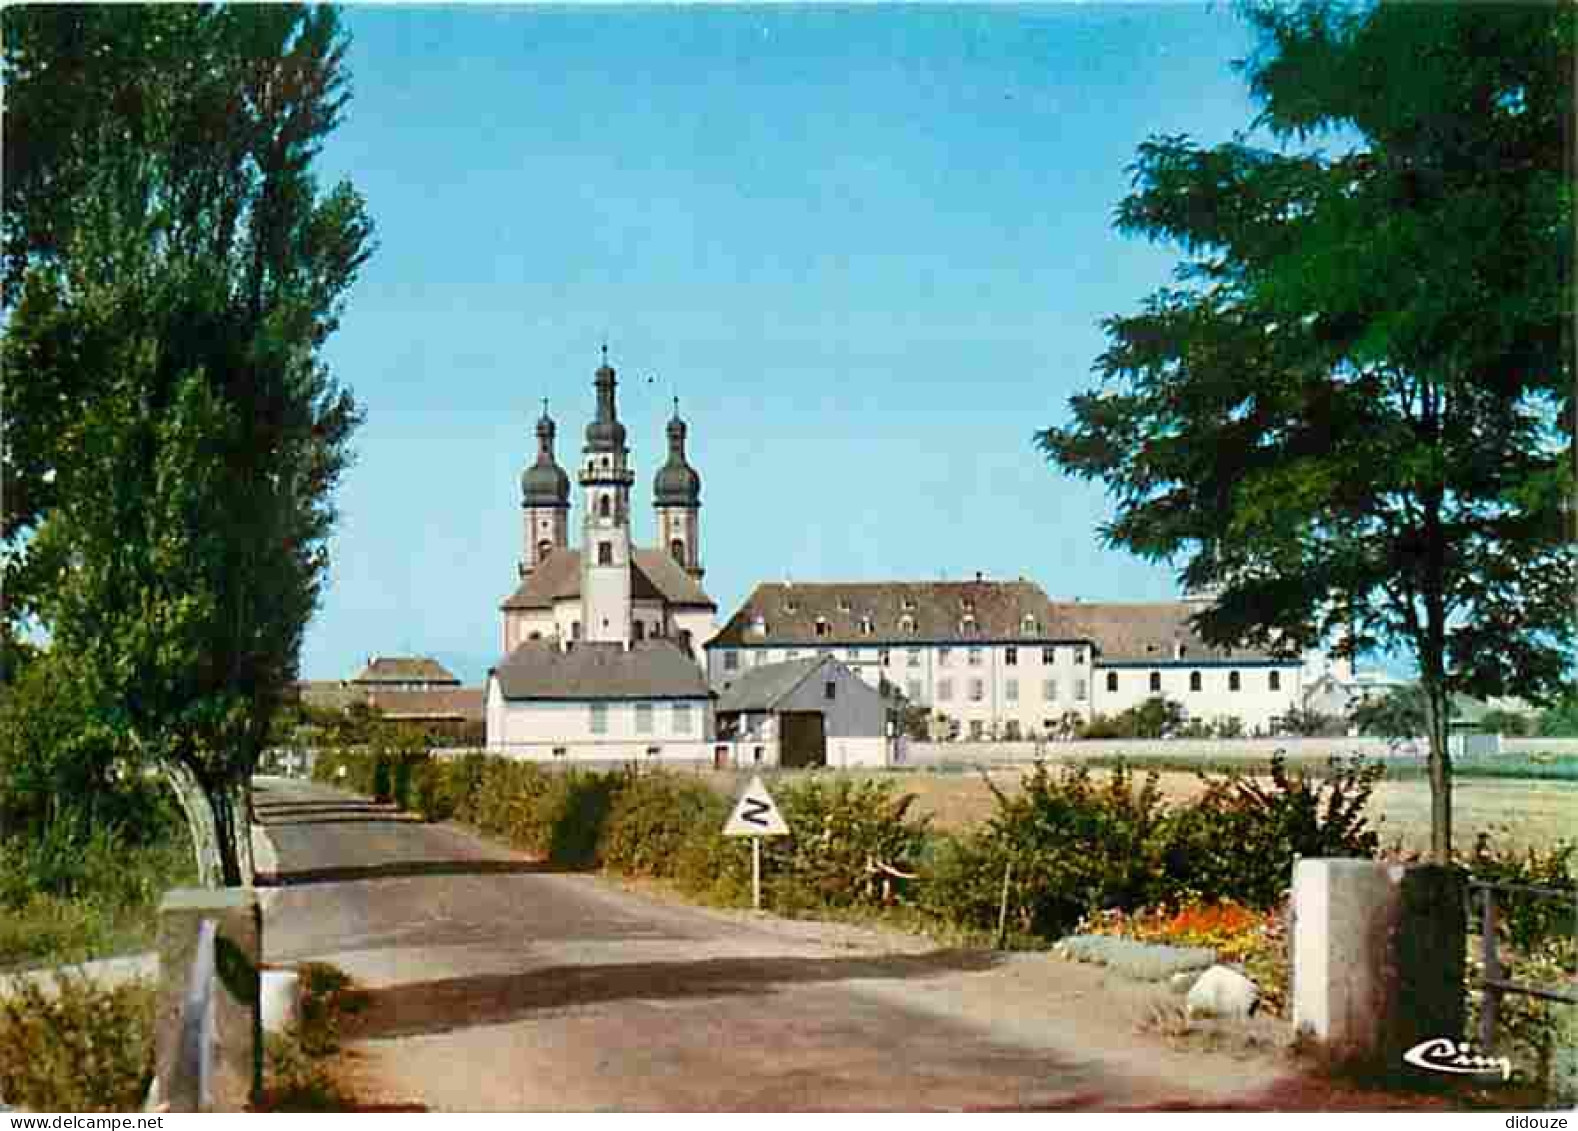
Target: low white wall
<point>668,751</point>
<point>924,753</point>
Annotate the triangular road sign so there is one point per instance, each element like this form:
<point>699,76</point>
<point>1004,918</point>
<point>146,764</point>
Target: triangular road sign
<point>755,814</point>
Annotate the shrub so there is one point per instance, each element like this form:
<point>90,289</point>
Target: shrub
<point>650,821</point>
<point>1240,838</point>
<point>75,1046</point>
<point>839,832</point>
<point>1536,946</point>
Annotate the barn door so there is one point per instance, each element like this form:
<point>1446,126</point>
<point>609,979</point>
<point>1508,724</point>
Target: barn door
<point>803,740</point>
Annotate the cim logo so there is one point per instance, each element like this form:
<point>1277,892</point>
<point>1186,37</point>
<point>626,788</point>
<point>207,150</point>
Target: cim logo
<point>1442,1054</point>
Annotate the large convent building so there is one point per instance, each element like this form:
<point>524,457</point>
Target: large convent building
<point>1000,659</point>
<point>602,642</point>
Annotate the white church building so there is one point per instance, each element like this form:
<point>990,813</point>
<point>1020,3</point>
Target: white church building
<point>602,643</point>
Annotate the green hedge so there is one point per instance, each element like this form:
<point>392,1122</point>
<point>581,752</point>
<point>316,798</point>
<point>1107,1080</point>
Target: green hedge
<point>1075,845</point>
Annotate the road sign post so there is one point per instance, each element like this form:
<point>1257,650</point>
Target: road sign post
<point>756,815</point>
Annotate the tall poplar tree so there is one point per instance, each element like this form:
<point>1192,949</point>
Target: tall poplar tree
<point>172,436</point>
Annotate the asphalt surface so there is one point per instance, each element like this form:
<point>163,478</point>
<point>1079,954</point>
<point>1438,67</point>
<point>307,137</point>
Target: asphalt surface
<point>496,984</point>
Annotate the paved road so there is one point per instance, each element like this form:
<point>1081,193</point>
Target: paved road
<point>498,985</point>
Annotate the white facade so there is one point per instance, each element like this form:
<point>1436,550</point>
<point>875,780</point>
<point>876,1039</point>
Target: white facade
<point>1257,694</point>
<point>654,730</point>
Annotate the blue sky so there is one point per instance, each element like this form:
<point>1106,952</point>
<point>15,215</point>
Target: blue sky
<point>868,247</point>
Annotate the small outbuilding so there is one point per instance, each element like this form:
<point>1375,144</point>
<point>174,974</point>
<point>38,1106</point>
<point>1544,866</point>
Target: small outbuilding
<point>810,712</point>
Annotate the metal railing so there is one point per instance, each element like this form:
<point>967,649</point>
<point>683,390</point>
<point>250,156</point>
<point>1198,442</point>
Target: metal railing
<point>1493,976</point>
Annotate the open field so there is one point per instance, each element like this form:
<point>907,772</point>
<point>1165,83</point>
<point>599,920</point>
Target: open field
<point>1518,812</point>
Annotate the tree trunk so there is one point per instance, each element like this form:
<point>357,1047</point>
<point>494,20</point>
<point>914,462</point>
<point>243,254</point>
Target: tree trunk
<point>218,819</point>
<point>1440,774</point>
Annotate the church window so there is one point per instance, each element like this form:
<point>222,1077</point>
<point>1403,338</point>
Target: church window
<point>968,626</point>
<point>544,548</point>
<point>830,690</point>
<point>1048,655</point>
<point>1010,656</point>
<point>731,661</point>
<point>1029,626</point>
<point>790,606</point>
<point>907,626</point>
<point>1276,681</point>
<point>1112,681</point>
<point>676,550</point>
<point>1011,690</point>
<point>1156,681</point>
<point>907,603</point>
<point>1079,690</point>
<point>561,751</point>
<point>866,627</point>
<point>967,604</point>
<point>575,630</point>
<point>1233,681</point>
<point>843,604</point>
<point>1194,681</point>
<point>822,627</point>
<point>605,553</point>
<point>1049,690</point>
<point>643,718</point>
<point>638,630</point>
<point>599,718</point>
<point>603,507</point>
<point>974,657</point>
<point>914,657</point>
<point>1079,655</point>
<point>681,718</point>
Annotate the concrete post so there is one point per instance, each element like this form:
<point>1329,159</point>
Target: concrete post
<point>1378,958</point>
<point>229,1074</point>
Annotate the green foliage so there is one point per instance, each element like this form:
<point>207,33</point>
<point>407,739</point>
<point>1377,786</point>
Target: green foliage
<point>840,830</point>
<point>651,821</point>
<point>172,273</point>
<point>1240,838</point>
<point>1560,720</point>
<point>1537,946</point>
<point>1347,427</point>
<point>73,1046</point>
<point>1399,714</point>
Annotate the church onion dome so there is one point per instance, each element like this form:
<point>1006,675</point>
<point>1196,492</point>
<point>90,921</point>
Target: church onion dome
<point>676,483</point>
<point>605,433</point>
<point>544,483</point>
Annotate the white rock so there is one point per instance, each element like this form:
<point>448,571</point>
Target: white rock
<point>1221,992</point>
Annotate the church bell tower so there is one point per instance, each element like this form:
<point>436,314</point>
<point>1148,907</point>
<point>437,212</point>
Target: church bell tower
<point>606,479</point>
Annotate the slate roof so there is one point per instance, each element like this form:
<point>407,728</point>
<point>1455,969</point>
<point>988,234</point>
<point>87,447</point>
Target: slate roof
<point>1122,632</point>
<point>650,669</point>
<point>464,704</point>
<point>405,669</point>
<point>759,688</point>
<point>941,612</point>
<point>1151,632</point>
<point>653,576</point>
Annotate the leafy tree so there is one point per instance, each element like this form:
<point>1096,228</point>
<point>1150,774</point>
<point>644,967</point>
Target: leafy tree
<point>1157,717</point>
<point>1353,413</point>
<point>1561,718</point>
<point>173,439</point>
<point>1311,723</point>
<point>1513,724</point>
<point>1399,714</point>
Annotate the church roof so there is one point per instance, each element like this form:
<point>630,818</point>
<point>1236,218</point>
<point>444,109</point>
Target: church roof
<point>649,669</point>
<point>653,576</point>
